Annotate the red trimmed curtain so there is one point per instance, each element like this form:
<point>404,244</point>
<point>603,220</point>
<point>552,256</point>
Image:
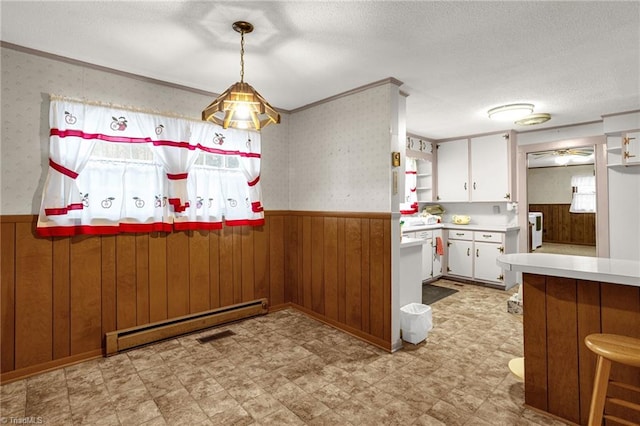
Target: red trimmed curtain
<point>113,170</point>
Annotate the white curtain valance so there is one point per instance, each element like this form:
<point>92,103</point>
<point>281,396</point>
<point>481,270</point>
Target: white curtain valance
<point>584,194</point>
<point>167,173</point>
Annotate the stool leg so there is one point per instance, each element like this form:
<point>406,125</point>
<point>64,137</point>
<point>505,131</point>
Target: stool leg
<point>599,395</point>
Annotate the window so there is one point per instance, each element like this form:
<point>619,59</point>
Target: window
<point>584,194</point>
<point>113,170</point>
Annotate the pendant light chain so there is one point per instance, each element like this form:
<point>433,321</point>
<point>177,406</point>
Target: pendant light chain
<point>241,56</point>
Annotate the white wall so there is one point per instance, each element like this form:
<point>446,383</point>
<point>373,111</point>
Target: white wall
<point>27,81</point>
<point>339,157</point>
<point>552,185</point>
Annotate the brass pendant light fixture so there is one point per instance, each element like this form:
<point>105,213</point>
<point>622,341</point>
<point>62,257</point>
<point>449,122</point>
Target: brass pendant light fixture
<point>241,106</point>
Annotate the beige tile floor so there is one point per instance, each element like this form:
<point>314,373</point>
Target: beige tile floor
<point>285,368</point>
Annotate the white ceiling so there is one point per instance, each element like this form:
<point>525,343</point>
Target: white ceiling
<point>574,60</point>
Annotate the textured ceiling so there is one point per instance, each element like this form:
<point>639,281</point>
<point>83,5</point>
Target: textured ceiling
<point>574,60</point>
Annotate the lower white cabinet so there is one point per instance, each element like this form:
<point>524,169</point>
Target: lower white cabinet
<point>485,265</point>
<point>460,253</point>
<point>472,255</point>
<point>431,265</point>
<point>436,260</point>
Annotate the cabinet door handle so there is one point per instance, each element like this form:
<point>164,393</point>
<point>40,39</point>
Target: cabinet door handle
<point>465,185</point>
<point>627,155</point>
<point>477,252</point>
<point>474,185</point>
<point>468,252</point>
<point>501,249</point>
<point>507,196</point>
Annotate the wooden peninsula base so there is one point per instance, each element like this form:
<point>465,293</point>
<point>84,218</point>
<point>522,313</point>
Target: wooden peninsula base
<point>559,311</point>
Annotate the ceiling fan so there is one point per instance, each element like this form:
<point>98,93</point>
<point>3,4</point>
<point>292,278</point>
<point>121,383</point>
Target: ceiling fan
<point>585,152</point>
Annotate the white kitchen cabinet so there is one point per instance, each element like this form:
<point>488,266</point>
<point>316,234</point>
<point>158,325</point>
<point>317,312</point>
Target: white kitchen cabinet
<point>436,262</point>
<point>459,254</point>
<point>473,254</point>
<point>485,267</point>
<point>431,264</point>
<point>490,179</point>
<point>453,170</point>
<point>477,169</point>
<point>427,253</point>
<point>424,181</point>
<point>631,148</point>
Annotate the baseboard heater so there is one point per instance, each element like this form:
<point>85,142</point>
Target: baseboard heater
<point>119,340</point>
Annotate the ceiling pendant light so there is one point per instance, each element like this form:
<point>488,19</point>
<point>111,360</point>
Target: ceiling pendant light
<point>510,112</point>
<point>241,106</point>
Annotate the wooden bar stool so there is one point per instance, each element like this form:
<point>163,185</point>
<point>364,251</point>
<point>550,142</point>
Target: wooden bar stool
<point>611,348</point>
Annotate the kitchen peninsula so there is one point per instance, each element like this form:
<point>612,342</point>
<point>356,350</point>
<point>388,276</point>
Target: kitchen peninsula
<point>565,299</point>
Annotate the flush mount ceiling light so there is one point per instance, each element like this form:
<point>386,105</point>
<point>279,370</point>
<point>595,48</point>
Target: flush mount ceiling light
<point>241,106</point>
<point>533,119</point>
<point>510,112</point>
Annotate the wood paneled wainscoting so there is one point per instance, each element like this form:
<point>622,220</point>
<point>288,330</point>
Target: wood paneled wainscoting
<point>559,369</point>
<point>61,295</point>
<point>563,227</point>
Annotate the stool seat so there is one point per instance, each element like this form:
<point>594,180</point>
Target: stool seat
<point>516,365</point>
<point>611,348</point>
<point>621,349</point>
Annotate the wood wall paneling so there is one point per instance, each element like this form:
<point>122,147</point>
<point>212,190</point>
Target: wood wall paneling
<point>317,265</point>
<point>386,260</point>
<point>60,296</point>
<point>214,269</point>
<point>559,368</point>
<point>86,294</point>
<point>126,301</point>
<point>247,262</point>
<point>564,227</point>
<point>276,261</point>
<point>330,267</point>
<point>199,288</point>
<point>307,254</point>
<point>158,308</point>
<point>177,274</point>
<point>108,280</point>
<point>33,297</point>
<point>365,282</point>
<point>376,296</point>
<point>142,279</point>
<point>588,322</point>
<point>342,271</point>
<point>562,347</point>
<point>353,275</point>
<point>262,272</point>
<point>621,315</point>
<point>7,295</point>
<point>535,341</point>
<point>236,254</point>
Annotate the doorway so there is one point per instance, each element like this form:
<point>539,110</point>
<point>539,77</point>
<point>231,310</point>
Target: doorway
<point>595,241</point>
<point>562,201</point>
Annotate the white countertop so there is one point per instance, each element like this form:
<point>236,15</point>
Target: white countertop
<point>411,242</point>
<point>469,227</point>
<point>601,269</point>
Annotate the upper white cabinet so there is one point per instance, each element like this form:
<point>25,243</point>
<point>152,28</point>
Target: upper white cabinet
<point>476,169</point>
<point>420,151</point>
<point>453,170</point>
<point>631,148</point>
<point>623,149</point>
<point>490,168</point>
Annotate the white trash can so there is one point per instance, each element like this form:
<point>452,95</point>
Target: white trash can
<point>415,322</point>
